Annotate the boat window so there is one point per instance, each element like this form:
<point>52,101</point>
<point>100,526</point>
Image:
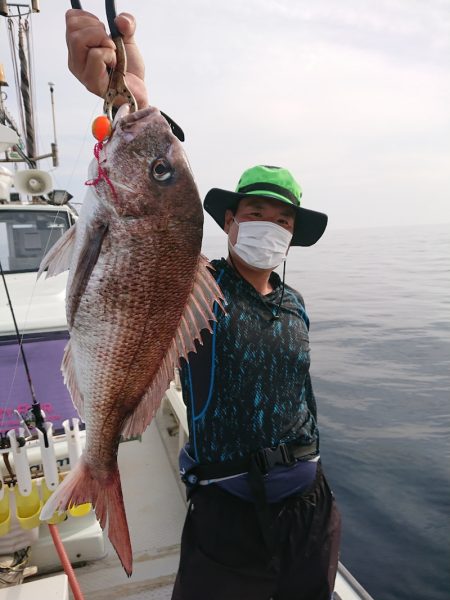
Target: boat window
<point>26,236</point>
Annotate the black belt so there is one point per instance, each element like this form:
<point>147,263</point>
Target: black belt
<point>256,465</point>
<point>264,459</point>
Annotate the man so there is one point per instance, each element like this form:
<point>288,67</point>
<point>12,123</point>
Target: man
<point>262,522</point>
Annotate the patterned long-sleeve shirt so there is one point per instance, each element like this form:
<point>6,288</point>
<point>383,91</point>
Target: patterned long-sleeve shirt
<point>248,385</point>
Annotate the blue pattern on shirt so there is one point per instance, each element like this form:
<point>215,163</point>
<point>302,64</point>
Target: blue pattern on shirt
<point>248,385</point>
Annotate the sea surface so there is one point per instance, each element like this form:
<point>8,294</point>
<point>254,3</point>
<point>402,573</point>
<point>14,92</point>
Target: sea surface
<point>379,304</point>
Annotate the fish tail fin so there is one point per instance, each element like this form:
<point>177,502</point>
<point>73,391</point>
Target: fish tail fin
<point>81,486</point>
<point>118,532</point>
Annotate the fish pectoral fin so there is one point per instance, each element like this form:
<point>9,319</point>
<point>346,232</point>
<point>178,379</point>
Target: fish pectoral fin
<point>197,315</point>
<point>86,262</point>
<point>70,379</point>
<point>58,258</point>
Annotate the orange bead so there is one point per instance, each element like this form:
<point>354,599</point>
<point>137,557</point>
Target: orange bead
<point>101,128</point>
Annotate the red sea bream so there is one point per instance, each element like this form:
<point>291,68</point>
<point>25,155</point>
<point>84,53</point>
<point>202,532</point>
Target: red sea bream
<point>138,294</point>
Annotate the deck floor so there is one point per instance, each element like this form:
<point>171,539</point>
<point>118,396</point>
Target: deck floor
<point>155,511</point>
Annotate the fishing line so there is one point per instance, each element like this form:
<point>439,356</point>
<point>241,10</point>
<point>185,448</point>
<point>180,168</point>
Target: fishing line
<point>35,405</point>
<point>82,147</point>
<point>95,110</point>
<point>102,175</point>
<point>76,162</point>
<point>21,350</point>
<point>20,337</point>
<point>8,399</point>
<point>33,291</point>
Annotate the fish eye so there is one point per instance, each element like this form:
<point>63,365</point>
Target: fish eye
<point>161,169</point>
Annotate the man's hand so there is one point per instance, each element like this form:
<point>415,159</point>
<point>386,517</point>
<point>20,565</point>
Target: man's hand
<point>91,51</point>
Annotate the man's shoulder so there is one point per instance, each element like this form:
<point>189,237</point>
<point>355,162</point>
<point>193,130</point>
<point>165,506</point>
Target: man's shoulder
<point>217,263</point>
<point>294,301</point>
<point>217,267</point>
<point>295,294</point>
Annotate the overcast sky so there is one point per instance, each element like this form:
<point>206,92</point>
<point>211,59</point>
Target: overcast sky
<point>352,96</point>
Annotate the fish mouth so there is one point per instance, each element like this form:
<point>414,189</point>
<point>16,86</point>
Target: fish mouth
<point>132,117</point>
<point>130,124</point>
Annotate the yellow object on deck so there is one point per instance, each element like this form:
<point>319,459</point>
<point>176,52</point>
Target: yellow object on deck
<point>5,510</point>
<point>46,493</point>
<point>28,507</point>
<point>80,510</point>
<point>77,510</point>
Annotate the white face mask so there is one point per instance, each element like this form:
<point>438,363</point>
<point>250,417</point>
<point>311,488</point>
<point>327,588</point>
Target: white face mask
<point>261,244</point>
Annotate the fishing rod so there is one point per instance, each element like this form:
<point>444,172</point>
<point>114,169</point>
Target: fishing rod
<point>35,406</point>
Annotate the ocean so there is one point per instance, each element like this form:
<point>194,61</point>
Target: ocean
<point>379,304</point>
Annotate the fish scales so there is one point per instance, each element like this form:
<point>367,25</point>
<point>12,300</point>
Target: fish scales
<point>139,293</point>
<point>133,342</point>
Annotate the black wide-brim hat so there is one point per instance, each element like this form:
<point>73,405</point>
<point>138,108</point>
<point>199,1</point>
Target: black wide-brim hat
<point>269,182</point>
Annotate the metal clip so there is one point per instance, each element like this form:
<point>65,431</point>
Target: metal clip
<point>117,86</point>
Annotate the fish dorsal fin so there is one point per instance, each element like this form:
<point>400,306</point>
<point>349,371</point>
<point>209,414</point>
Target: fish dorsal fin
<point>70,379</point>
<point>58,258</point>
<point>197,315</point>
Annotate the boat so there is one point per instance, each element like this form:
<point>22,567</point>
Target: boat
<point>33,333</point>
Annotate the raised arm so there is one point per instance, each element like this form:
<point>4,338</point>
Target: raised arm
<point>91,51</point>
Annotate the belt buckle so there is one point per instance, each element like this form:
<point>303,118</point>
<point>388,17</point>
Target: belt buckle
<point>267,458</point>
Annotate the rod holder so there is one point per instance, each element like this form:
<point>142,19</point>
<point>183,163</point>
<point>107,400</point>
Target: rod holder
<point>73,440</point>
<point>48,456</point>
<point>21,466</point>
<point>45,494</point>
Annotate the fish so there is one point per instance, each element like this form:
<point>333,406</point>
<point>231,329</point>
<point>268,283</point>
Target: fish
<point>139,292</point>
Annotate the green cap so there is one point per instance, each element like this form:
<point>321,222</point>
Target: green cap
<point>269,182</point>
